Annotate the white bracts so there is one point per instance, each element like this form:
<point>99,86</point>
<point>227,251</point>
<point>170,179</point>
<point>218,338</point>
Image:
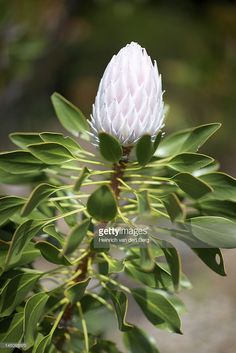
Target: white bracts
<point>129,100</point>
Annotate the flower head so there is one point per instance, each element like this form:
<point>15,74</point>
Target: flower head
<point>129,100</point>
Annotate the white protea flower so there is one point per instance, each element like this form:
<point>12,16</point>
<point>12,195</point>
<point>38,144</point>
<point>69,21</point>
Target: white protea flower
<point>129,100</point>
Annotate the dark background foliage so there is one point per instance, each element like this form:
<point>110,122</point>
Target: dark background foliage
<point>65,45</point>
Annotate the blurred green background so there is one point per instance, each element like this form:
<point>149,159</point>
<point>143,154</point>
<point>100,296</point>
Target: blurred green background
<point>64,45</point>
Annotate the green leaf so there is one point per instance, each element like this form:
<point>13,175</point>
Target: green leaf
<point>191,185</point>
<point>55,234</point>
<point>157,141</point>
<point>174,262</point>
<point>76,292</point>
<point>173,207</point>
<point>42,344</point>
<point>23,178</point>
<point>189,162</point>
<point>144,149</point>
<point>52,254</point>
<point>101,204</point>
<point>28,255</point>
<point>104,346</point>
<point>157,278</point>
<point>157,308</point>
<point>15,290</point>
<point>22,236</point>
<point>147,260</point>
<point>39,194</point>
<point>23,139</point>
<point>120,303</point>
<point>215,231</point>
<point>75,342</point>
<point>76,236</point>
<point>110,147</point>
<point>137,341</point>
<point>71,118</point>
<point>51,152</point>
<point>143,202</point>
<point>83,175</point>
<point>113,265</point>
<point>213,258</point>
<point>220,208</point>
<point>33,312</point>
<point>224,186</point>
<point>11,330</point>
<point>19,162</point>
<point>189,140</point>
<point>65,141</point>
<point>9,205</point>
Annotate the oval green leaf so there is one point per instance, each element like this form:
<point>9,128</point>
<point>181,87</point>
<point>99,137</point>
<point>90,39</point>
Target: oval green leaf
<point>9,205</point>
<point>52,254</point>
<point>20,162</point>
<point>71,118</point>
<point>39,194</point>
<point>23,139</point>
<point>157,308</point>
<point>223,184</point>
<point>65,141</point>
<point>144,150</point>
<point>189,140</point>
<point>15,291</point>
<point>76,236</point>
<point>33,312</point>
<point>11,330</point>
<point>215,231</point>
<point>137,341</point>
<point>191,185</point>
<point>51,152</point>
<point>189,162</point>
<point>102,205</point>
<point>110,147</point>
<point>76,292</point>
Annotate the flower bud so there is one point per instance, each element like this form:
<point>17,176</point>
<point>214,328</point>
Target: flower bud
<point>129,100</point>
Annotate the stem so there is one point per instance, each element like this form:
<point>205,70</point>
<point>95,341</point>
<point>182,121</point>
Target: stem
<point>115,283</point>
<point>84,326</point>
<point>85,260</point>
<point>119,169</point>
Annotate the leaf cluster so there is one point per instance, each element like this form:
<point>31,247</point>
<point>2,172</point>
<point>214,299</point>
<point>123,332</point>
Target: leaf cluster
<point>164,183</point>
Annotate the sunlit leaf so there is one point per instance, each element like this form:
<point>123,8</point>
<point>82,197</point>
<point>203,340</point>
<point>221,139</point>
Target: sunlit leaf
<point>189,162</point>
<point>71,118</point>
<point>189,140</point>
<point>51,153</point>
<point>157,308</point>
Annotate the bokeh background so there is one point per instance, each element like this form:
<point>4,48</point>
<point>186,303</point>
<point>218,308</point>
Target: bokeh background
<point>64,46</point>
